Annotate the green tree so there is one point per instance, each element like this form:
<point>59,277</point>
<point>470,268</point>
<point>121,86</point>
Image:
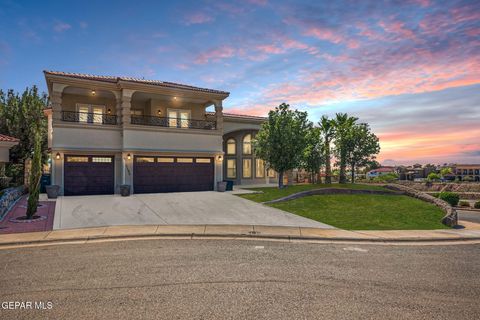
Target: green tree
<point>343,127</point>
<point>313,155</point>
<point>327,129</point>
<point>445,171</point>
<point>35,175</point>
<point>281,139</point>
<point>362,146</point>
<point>433,176</point>
<point>17,114</point>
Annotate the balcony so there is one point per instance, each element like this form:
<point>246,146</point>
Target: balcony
<point>89,117</point>
<point>173,122</point>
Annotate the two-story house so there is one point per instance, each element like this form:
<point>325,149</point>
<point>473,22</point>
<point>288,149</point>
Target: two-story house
<point>155,136</point>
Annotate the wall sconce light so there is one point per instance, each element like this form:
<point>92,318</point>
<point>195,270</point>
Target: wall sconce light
<point>57,156</point>
<point>220,158</point>
<point>174,98</point>
<point>94,92</point>
<point>129,156</point>
<point>159,112</point>
<point>109,111</point>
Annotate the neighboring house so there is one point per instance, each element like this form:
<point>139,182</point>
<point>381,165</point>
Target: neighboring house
<point>469,172</point>
<point>379,172</point>
<point>6,142</point>
<point>152,135</point>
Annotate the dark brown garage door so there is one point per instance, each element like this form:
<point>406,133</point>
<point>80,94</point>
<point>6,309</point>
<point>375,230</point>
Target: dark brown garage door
<point>172,174</point>
<point>88,175</point>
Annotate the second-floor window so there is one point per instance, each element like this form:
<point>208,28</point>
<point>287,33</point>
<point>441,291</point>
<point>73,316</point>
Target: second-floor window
<point>90,113</point>
<point>247,144</point>
<point>178,118</point>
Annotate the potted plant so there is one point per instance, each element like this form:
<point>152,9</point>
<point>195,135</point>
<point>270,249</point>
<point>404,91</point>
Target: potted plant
<point>52,191</point>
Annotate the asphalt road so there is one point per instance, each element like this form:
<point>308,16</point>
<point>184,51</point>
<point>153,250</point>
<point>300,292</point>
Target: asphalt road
<point>472,216</point>
<point>226,279</point>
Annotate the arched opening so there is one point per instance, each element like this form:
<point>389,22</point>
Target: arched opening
<point>231,146</point>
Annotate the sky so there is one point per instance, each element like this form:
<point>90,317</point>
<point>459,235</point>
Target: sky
<point>410,68</point>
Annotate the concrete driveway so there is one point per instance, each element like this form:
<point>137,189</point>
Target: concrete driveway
<point>170,208</point>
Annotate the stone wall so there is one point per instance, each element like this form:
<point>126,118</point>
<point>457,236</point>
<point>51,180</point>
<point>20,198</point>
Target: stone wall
<point>8,198</point>
<point>450,219</point>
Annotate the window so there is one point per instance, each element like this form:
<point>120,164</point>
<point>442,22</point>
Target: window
<point>259,168</point>
<point>102,159</point>
<point>178,118</point>
<point>247,168</point>
<point>185,160</point>
<point>203,160</point>
<point>231,168</point>
<point>145,159</point>
<point>77,159</point>
<point>271,173</point>
<point>90,113</point>
<point>231,146</point>
<point>247,144</point>
<point>165,160</point>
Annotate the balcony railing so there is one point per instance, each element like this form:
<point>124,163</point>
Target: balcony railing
<point>88,117</point>
<point>173,122</point>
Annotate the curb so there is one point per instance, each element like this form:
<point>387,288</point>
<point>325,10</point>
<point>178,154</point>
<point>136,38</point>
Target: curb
<point>234,236</point>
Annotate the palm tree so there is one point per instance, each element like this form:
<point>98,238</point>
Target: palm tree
<point>343,124</point>
<point>327,128</point>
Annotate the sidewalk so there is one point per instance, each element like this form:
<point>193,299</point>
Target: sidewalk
<point>470,232</point>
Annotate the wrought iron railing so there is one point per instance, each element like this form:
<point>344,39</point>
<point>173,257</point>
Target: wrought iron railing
<point>173,122</point>
<point>89,117</point>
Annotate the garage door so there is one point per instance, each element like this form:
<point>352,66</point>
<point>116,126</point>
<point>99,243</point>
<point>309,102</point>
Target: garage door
<point>172,174</point>
<point>88,175</point>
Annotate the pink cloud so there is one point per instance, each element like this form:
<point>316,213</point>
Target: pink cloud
<point>61,27</point>
<point>331,36</point>
<point>197,18</point>
<point>398,28</point>
<point>270,49</point>
<point>217,54</point>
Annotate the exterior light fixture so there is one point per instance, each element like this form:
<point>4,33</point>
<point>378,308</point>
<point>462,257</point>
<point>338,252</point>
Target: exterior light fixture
<point>159,112</point>
<point>220,158</point>
<point>94,92</point>
<point>174,98</point>
<point>109,111</point>
<point>57,156</point>
<point>129,156</point>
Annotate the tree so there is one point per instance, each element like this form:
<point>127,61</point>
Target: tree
<point>35,175</point>
<point>362,146</point>
<point>343,126</point>
<point>17,114</point>
<point>327,129</point>
<point>445,171</point>
<point>281,139</point>
<point>433,176</point>
<point>313,155</point>
<point>372,164</point>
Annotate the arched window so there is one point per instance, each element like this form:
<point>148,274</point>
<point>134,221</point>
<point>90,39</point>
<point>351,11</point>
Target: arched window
<point>231,148</point>
<point>247,144</point>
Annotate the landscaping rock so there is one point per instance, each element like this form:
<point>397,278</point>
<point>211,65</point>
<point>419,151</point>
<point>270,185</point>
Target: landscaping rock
<point>451,217</point>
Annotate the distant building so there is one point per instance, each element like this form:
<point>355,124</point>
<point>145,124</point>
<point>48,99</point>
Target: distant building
<point>467,172</point>
<point>379,172</point>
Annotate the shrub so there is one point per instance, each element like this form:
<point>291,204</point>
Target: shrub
<point>432,176</point>
<point>451,197</point>
<point>477,205</point>
<point>389,177</point>
<point>464,204</point>
<point>435,194</point>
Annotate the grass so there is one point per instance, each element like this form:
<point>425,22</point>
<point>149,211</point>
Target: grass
<point>271,193</point>
<point>356,211</point>
<point>367,212</point>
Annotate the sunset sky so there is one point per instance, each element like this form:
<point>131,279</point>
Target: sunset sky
<point>411,69</point>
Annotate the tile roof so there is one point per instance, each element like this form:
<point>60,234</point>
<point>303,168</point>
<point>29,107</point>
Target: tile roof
<point>112,79</point>
<point>5,138</point>
<point>240,116</point>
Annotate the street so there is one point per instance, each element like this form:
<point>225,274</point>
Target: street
<point>227,279</point>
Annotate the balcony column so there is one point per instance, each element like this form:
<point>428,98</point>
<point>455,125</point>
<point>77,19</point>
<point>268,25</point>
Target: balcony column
<point>125,106</point>
<point>219,114</point>
<point>56,101</point>
<point>118,106</point>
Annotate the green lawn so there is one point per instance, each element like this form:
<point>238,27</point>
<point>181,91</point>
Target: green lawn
<point>367,212</point>
<point>270,193</point>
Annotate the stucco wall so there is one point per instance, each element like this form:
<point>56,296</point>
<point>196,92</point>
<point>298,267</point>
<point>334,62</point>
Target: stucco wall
<point>230,126</point>
<point>4,153</point>
<point>151,107</point>
<point>69,102</point>
<point>171,141</point>
<point>87,137</point>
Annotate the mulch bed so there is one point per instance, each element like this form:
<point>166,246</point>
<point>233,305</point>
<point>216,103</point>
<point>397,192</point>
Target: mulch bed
<point>47,210</point>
